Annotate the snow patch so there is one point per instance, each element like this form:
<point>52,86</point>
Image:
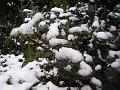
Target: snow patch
<point>69,53</point>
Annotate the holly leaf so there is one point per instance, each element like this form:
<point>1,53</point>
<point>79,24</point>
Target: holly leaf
<point>30,53</point>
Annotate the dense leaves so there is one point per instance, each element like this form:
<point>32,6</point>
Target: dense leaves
<point>91,30</point>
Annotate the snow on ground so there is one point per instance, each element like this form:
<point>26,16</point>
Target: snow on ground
<point>15,77</point>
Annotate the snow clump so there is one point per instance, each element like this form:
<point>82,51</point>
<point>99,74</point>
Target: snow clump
<point>53,31</point>
<point>58,10</point>
<point>55,41</point>
<point>86,87</point>
<point>95,81</point>
<point>69,53</point>
<point>85,69</point>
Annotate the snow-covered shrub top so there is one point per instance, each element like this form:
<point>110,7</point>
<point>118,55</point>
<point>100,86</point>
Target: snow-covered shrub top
<point>53,31</point>
<point>69,53</point>
<point>27,28</point>
<point>96,81</point>
<point>56,9</point>
<point>55,41</point>
<point>75,29</point>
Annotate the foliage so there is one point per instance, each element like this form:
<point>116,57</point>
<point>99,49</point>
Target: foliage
<point>86,42</point>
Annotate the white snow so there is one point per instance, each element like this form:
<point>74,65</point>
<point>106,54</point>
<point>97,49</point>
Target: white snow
<point>98,67</point>
<point>27,28</point>
<point>71,37</point>
<point>69,53</point>
<point>35,18</point>
<point>52,16</point>
<point>88,58</point>
<point>42,23</point>
<point>84,65</point>
<point>27,10</point>
<point>23,78</point>
<point>114,53</point>
<point>84,27</point>
<point>65,14</point>
<point>27,19</point>
<point>23,29</point>
<point>55,41</point>
<point>53,31</point>
<point>102,35</point>
<point>113,28</point>
<point>63,33</point>
<point>58,10</point>
<point>64,21</point>
<point>91,0</point>
<point>54,71</point>
<point>86,87</point>
<point>68,67</point>
<point>95,81</point>
<point>51,86</point>
<point>73,18</point>
<point>115,64</point>
<point>84,72</point>
<point>96,24</point>
<point>14,32</point>
<point>102,24</point>
<point>72,8</point>
<point>75,29</point>
<point>85,69</point>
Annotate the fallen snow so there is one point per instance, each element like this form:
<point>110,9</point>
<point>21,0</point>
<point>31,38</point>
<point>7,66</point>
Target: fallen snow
<point>115,64</point>
<point>72,8</point>
<point>75,29</point>
<point>68,67</point>
<point>73,18</point>
<point>71,37</point>
<point>52,16</point>
<point>85,69</point>
<point>35,18</point>
<point>86,87</point>
<point>23,78</point>
<point>42,23</point>
<point>114,53</point>
<point>88,58</point>
<point>96,81</point>
<point>98,67</point>
<point>69,53</point>
<point>102,35</point>
<point>27,10</point>
<point>51,86</point>
<point>64,21</point>
<point>27,28</point>
<point>112,28</point>
<point>27,19</point>
<point>91,1</point>
<point>65,14</point>
<point>53,31</point>
<point>96,24</point>
<point>55,41</point>
<point>58,10</point>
